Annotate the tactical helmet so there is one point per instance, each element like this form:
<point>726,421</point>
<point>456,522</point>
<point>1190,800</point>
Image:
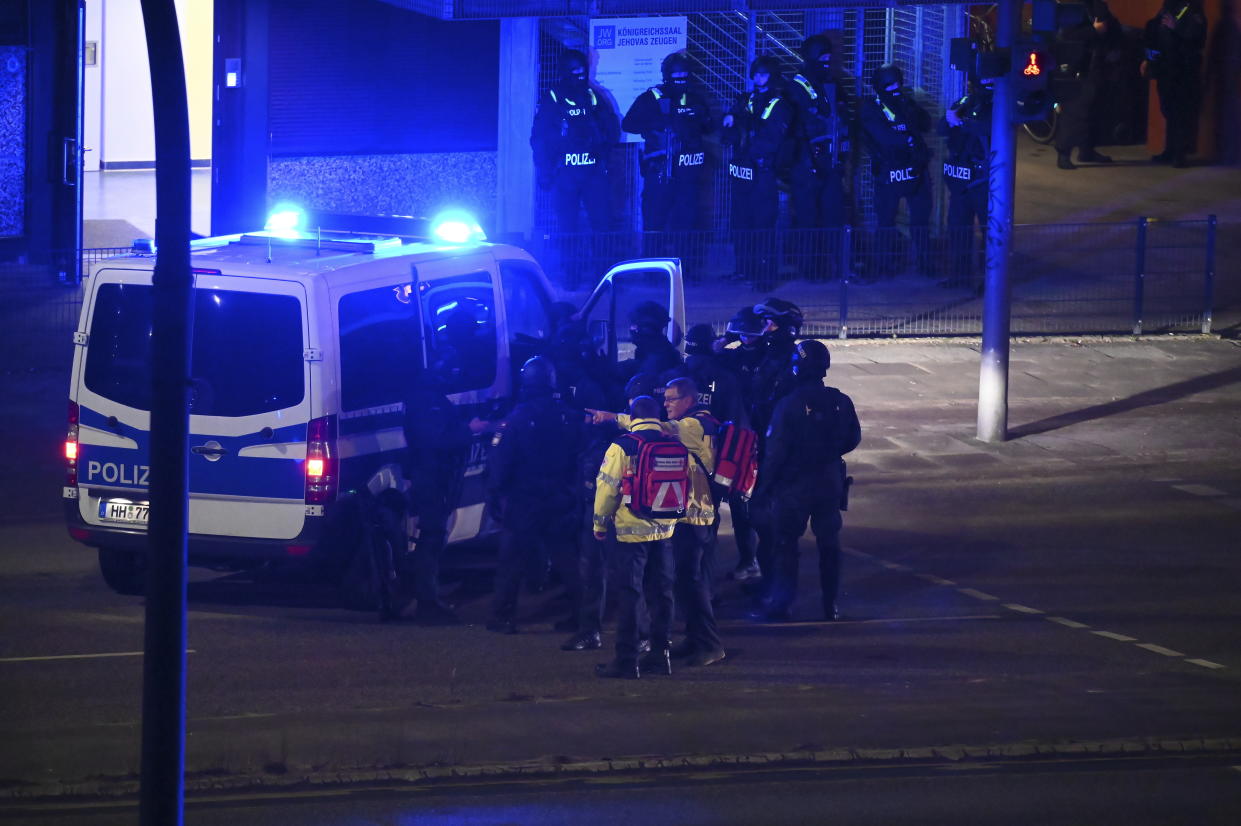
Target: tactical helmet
<point>815,46</point>
<point>767,64</point>
<point>746,322</point>
<point>699,339</point>
<point>643,384</point>
<point>571,61</point>
<point>885,76</point>
<point>649,315</point>
<point>675,62</point>
<point>538,373</point>
<point>785,313</point>
<point>811,359</point>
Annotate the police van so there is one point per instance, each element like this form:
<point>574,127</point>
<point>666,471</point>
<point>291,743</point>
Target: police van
<point>300,353</point>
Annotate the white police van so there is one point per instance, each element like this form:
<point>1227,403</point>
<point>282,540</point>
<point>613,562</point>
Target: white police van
<point>300,345</point>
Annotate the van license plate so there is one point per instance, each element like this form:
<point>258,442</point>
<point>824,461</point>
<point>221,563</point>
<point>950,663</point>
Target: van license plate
<point>135,513</point>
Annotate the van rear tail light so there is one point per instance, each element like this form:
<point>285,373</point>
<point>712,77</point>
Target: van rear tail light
<point>321,463</point>
<point>71,447</point>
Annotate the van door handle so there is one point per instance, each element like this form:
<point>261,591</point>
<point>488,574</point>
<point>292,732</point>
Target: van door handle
<point>211,450</point>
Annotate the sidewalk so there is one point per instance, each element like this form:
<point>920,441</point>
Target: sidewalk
<point>1079,410</point>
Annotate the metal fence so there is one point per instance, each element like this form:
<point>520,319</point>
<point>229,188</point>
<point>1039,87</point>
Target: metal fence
<point>1134,277</point>
<point>1137,277</point>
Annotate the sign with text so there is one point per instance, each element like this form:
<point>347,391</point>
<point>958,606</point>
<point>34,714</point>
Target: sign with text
<point>629,51</point>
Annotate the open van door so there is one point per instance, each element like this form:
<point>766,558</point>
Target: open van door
<point>464,348</point>
<point>625,286</point>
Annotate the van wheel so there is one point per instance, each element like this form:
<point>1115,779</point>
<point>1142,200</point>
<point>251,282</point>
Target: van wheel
<point>124,571</point>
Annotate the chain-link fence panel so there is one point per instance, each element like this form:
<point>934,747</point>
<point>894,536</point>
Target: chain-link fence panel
<point>1064,279</point>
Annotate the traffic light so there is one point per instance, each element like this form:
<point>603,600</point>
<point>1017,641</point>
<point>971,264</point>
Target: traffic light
<point>1031,73</point>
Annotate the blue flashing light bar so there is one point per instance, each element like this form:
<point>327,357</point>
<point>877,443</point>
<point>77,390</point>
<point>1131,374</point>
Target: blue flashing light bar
<point>456,226</point>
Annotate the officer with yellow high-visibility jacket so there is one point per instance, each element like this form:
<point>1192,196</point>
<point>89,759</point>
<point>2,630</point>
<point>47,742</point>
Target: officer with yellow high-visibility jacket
<point>694,538</point>
<point>640,543</point>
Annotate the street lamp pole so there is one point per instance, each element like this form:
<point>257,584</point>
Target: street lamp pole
<point>162,791</point>
<point>993,371</point>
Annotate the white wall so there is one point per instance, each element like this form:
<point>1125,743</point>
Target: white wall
<point>92,93</point>
<point>127,133</point>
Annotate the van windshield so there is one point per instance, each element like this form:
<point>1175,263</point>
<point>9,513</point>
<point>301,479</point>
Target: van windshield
<point>247,351</point>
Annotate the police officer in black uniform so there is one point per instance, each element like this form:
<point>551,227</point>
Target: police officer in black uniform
<point>673,119</point>
<point>718,387</point>
<point>532,475</point>
<point>757,129</point>
<point>437,444</point>
<point>575,128</point>
<point>1174,42</point>
<point>745,327</point>
<point>772,381</point>
<point>824,118</point>
<point>574,131</point>
<point>802,477</point>
<point>894,124</point>
<point>967,127</point>
<point>653,351</point>
<point>1086,49</point>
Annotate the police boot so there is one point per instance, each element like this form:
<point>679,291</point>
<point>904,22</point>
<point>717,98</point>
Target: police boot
<point>658,661</point>
<point>618,670</point>
<point>1092,156</point>
<point>1063,161</point>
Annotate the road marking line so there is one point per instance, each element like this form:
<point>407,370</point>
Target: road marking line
<point>1197,490</point>
<point>1200,490</point>
<point>1112,635</point>
<point>877,621</point>
<point>1206,663</point>
<point>77,656</point>
<point>1067,623</point>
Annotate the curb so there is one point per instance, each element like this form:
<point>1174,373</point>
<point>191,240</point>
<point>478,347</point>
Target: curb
<point>279,779</point>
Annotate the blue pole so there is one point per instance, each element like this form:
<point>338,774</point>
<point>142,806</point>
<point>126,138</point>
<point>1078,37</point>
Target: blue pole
<point>1208,280</point>
<point>993,370</point>
<point>846,257</point>
<point>1139,278</point>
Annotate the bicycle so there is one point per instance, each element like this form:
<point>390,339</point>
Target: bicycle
<point>1044,130</point>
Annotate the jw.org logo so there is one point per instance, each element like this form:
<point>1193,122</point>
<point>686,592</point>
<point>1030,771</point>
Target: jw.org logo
<point>605,37</point>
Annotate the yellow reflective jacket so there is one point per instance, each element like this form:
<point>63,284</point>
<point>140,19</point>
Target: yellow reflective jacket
<point>608,506</point>
<point>700,510</point>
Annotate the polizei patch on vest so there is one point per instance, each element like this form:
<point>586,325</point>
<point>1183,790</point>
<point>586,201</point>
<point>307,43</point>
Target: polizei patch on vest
<point>901,175</point>
<point>961,173</point>
<point>745,173</point>
<point>578,159</point>
<point>690,159</point>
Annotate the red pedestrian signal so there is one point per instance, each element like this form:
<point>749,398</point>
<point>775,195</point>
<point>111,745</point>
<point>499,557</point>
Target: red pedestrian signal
<point>1031,78</point>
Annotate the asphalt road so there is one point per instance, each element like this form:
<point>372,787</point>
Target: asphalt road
<point>1075,586</point>
<point>1134,792</point>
